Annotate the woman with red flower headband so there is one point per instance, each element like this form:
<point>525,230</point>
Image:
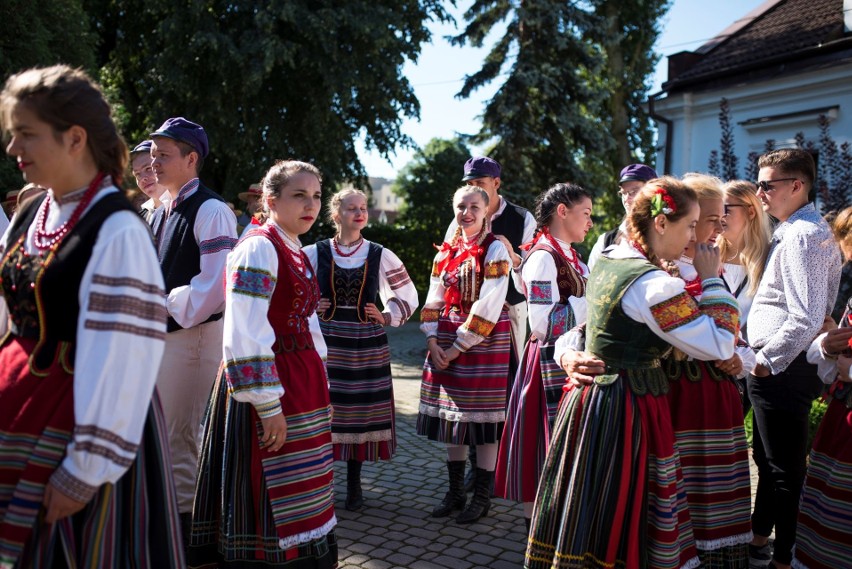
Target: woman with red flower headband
<point>707,415</point>
<point>611,492</point>
<point>553,278</point>
<point>85,476</point>
<point>463,395</point>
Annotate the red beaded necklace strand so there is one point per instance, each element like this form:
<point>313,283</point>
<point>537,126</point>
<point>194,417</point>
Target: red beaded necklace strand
<point>574,260</point>
<point>45,239</point>
<point>350,253</point>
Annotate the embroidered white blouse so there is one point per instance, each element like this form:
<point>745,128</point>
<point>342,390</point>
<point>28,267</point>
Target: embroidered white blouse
<point>396,290</point>
<point>248,336</point>
<point>485,311</point>
<point>547,317</point>
<point>120,342</point>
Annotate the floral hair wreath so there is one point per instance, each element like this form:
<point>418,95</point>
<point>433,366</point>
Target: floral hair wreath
<point>662,202</point>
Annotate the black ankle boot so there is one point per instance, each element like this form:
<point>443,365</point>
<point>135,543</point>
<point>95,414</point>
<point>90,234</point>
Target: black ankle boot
<point>481,502</point>
<point>455,498</point>
<point>354,498</point>
<point>470,477</point>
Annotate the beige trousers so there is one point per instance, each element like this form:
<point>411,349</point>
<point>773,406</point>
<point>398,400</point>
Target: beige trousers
<point>186,377</point>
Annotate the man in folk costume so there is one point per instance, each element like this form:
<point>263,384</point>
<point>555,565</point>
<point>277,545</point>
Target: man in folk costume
<point>193,232</point>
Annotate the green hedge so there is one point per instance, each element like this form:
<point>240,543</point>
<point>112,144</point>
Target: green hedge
<point>818,408</point>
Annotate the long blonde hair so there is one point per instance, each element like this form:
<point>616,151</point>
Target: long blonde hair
<point>756,235</point>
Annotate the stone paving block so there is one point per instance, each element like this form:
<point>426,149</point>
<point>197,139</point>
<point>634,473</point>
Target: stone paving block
<point>401,559</point>
<point>362,547</point>
<point>458,532</point>
<point>453,562</point>
<point>426,565</point>
<point>357,560</point>
<point>418,542</point>
<point>483,548</point>
<point>480,560</point>
<point>380,553</point>
<point>376,564</point>
<point>414,550</point>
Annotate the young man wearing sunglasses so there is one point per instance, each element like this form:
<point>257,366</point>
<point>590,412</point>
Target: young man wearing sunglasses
<point>796,293</point>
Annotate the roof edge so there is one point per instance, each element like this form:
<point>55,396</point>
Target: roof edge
<point>738,25</point>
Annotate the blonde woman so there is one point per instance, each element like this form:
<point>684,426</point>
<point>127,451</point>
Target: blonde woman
<point>744,243</point>
<point>353,275</point>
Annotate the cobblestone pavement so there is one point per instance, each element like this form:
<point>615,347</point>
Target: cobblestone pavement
<point>393,529</point>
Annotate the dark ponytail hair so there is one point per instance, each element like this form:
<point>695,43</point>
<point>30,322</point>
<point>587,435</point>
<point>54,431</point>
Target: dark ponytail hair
<point>64,97</point>
<point>640,222</point>
<point>566,194</point>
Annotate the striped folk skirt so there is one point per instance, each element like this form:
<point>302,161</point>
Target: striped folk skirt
<point>611,492</point>
<point>824,531</point>
<point>361,388</point>
<point>132,523</point>
<point>529,421</point>
<point>254,508</point>
<point>707,418</point>
<point>466,403</point>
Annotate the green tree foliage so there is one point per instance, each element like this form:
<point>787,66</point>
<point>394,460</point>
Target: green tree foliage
<point>427,184</point>
<point>40,33</point>
<point>570,106</point>
<point>268,80</point>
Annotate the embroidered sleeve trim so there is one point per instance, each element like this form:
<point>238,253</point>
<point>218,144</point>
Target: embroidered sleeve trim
<point>478,325</point>
<point>404,308</point>
<point>103,434</point>
<point>126,304</point>
<point>430,315</point>
<point>540,292</point>
<point>72,486</point>
<point>126,328</point>
<point>712,284</point>
<point>724,312</point>
<point>256,283</point>
<point>675,312</point>
<point>251,373</point>
<point>496,269</point>
<point>217,244</point>
<point>559,321</point>
<point>398,278</point>
<point>129,282</point>
<point>270,409</point>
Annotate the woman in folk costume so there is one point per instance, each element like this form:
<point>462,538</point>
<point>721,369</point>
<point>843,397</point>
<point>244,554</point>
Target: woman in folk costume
<point>85,478</point>
<point>353,274</point>
<point>707,416</point>
<point>463,393</point>
<point>554,282</point>
<point>264,495</point>
<point>824,527</point>
<point>611,490</point>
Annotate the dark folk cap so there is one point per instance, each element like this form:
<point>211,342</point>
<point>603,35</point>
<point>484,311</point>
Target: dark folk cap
<point>144,146</point>
<point>183,130</point>
<point>637,172</point>
<point>481,167</point>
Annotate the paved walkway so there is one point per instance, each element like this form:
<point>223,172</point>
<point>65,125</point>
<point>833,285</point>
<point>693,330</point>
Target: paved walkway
<point>393,529</point>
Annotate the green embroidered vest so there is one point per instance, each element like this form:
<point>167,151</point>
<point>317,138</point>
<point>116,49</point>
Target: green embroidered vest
<point>628,348</point>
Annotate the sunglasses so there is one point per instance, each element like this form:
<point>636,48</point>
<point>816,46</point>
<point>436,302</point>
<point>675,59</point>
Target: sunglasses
<point>765,184</point>
<point>728,207</point>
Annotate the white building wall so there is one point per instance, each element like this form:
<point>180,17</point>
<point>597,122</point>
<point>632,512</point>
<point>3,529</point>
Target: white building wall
<point>695,116</point>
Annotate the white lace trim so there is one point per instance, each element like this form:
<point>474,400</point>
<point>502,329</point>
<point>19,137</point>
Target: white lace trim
<point>691,564</point>
<point>306,536</point>
<point>462,417</point>
<point>358,438</point>
<point>724,542</point>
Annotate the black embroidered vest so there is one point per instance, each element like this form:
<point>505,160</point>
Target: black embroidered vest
<point>42,292</point>
<point>177,249</point>
<point>348,287</point>
<point>510,224</point>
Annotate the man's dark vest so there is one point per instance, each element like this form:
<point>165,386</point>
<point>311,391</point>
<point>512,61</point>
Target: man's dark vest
<point>58,284</point>
<point>369,289</point>
<point>610,237</point>
<point>179,254</point>
<point>510,224</point>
